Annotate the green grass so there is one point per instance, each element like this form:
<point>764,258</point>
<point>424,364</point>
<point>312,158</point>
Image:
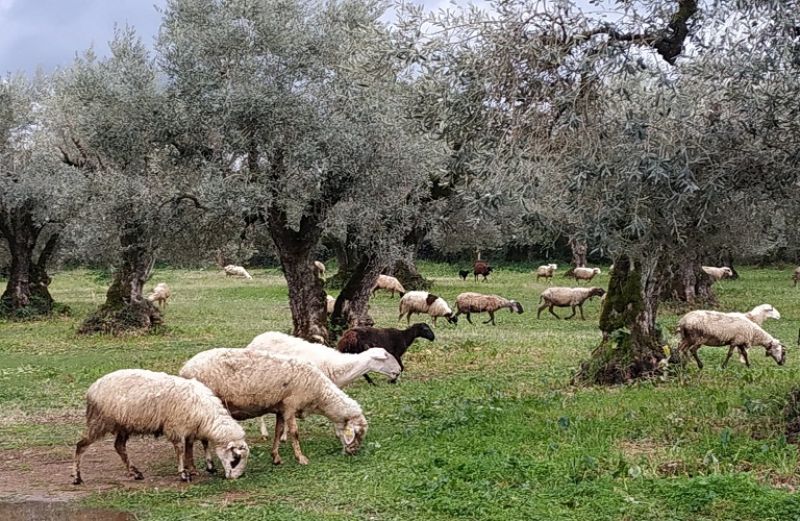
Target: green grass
<point>484,424</point>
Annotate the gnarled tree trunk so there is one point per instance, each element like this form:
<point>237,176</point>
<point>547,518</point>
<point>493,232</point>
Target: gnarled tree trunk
<point>579,250</point>
<point>26,292</point>
<point>351,309</point>
<point>688,283</point>
<point>126,308</point>
<point>631,345</point>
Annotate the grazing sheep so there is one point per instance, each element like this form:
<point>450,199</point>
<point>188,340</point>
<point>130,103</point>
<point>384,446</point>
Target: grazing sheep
<point>395,341</point>
<point>758,315</point>
<point>718,273</point>
<point>712,328</point>
<point>567,297</point>
<point>251,383</point>
<point>481,268</point>
<point>341,368</point>
<point>330,303</point>
<point>586,274</point>
<point>796,276</point>
<point>463,274</point>
<point>160,294</point>
<point>319,268</point>
<point>546,271</point>
<point>389,284</point>
<point>470,302</point>
<point>136,401</point>
<point>424,302</point>
<point>236,271</point>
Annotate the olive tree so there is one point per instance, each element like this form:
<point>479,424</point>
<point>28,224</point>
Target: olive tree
<point>39,194</point>
<point>302,107</point>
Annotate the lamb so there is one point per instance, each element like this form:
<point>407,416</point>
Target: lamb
<point>463,274</point>
<point>136,401</point>
<point>390,284</point>
<point>252,383</point>
<point>470,302</point>
<point>796,276</point>
<point>547,271</point>
<point>567,297</point>
<point>236,271</point>
<point>586,274</point>
<point>395,341</point>
<point>481,268</point>
<point>160,294</point>
<point>424,302</point>
<point>341,368</point>
<point>717,273</point>
<point>712,328</point>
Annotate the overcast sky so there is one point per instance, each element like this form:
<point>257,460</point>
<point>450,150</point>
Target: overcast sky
<point>48,33</point>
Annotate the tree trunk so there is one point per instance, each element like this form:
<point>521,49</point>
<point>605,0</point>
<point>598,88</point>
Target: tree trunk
<point>406,272</point>
<point>688,283</point>
<point>306,292</point>
<point>631,345</point>
<point>126,308</point>
<point>352,304</point>
<point>579,250</point>
<point>26,292</point>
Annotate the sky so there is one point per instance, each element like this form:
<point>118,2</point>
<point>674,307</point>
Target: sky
<point>49,33</point>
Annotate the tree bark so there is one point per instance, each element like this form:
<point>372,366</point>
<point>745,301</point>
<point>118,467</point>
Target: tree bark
<point>688,283</point>
<point>579,250</point>
<point>631,345</point>
<point>352,304</point>
<point>126,308</point>
<point>306,292</point>
<point>26,292</point>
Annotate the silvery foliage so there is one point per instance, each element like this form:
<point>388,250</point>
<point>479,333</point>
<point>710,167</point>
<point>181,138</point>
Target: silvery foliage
<point>304,110</point>
<point>117,118</point>
<point>594,133</point>
<point>33,179</point>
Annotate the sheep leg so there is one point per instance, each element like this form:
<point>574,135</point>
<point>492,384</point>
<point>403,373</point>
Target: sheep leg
<point>580,307</point>
<point>434,321</point>
<point>469,318</point>
<point>573,313</point>
<point>368,379</point>
<point>120,445</point>
<point>80,448</point>
<point>743,353</point>
<point>276,443</point>
<point>491,318</point>
<point>188,456</point>
<point>180,452</point>
<point>697,358</point>
<point>553,312</point>
<point>291,422</point>
<point>209,457</point>
<point>731,348</point>
<point>263,428</point>
<point>539,311</point>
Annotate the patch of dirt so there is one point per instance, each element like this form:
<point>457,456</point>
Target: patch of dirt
<point>44,473</point>
<point>635,449</point>
<point>44,418</point>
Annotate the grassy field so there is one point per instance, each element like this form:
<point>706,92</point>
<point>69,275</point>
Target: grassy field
<point>483,424</point>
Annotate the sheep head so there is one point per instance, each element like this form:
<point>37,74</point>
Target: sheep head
<point>727,272</point>
<point>233,457</point>
<point>422,330</point>
<point>515,307</point>
<point>776,351</point>
<point>351,433</point>
<point>383,362</point>
<point>451,319</point>
<point>596,292</point>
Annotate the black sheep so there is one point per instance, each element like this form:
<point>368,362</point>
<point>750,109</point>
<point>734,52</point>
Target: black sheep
<point>463,274</point>
<point>395,341</point>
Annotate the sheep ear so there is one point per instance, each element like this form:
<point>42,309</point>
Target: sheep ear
<point>349,434</point>
<point>380,355</point>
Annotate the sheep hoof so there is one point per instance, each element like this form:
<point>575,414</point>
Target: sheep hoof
<point>302,460</point>
<point>77,481</point>
<point>276,460</point>
<point>138,476</point>
<point>186,477</point>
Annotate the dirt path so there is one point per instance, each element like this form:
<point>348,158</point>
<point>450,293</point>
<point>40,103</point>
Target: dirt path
<point>44,473</point>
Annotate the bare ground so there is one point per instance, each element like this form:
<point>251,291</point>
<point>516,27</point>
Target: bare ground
<point>43,474</point>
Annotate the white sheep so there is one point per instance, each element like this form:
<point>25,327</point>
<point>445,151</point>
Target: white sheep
<point>713,328</point>
<point>136,401</point>
<point>586,274</point>
<point>160,294</point>
<point>424,302</point>
<point>388,283</point>
<point>546,271</point>
<point>471,302</point>
<point>718,273</point>
<point>796,276</point>
<point>567,297</point>
<point>341,368</point>
<point>319,268</point>
<point>758,315</point>
<point>236,271</point>
<point>252,383</point>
